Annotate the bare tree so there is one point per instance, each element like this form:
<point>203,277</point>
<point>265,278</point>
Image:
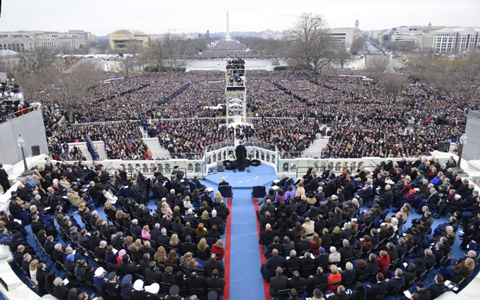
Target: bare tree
<point>460,76</point>
<point>156,53</point>
<point>341,55</point>
<point>165,52</point>
<point>393,84</point>
<point>68,83</point>
<point>36,60</point>
<point>358,45</point>
<point>468,75</point>
<point>399,46</point>
<point>376,65</point>
<point>312,45</point>
<point>173,50</point>
<point>421,62</point>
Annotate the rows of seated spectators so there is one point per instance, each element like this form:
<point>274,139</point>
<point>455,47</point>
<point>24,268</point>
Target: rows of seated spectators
<point>361,118</point>
<point>190,137</point>
<point>60,151</point>
<point>176,250</point>
<point>122,140</point>
<point>337,233</point>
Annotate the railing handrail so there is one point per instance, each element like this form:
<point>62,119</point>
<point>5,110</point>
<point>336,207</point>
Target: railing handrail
<point>19,113</point>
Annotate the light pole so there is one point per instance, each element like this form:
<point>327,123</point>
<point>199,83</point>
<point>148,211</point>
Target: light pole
<point>21,144</point>
<point>463,142</point>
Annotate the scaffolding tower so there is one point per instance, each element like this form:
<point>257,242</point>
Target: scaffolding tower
<point>236,92</point>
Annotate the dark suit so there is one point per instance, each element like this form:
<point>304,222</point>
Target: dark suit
<point>268,269</point>
<point>211,265</point>
<point>379,288</point>
<point>396,283</point>
<point>241,153</point>
<point>129,268</point>
<point>435,289</point>
<point>277,283</point>
<point>196,284</point>
<point>215,283</point>
<point>4,180</point>
<point>312,185</point>
<point>61,292</point>
<point>49,247</point>
<point>100,252</point>
<point>316,280</point>
<point>154,275</point>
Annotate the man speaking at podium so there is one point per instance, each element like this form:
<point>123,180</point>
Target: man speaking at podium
<point>241,153</point>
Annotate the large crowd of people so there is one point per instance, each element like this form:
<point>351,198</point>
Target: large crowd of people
<point>331,233</point>
<point>289,109</point>
<point>176,250</point>
<point>223,49</point>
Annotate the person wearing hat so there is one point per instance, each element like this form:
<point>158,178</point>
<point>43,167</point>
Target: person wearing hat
<point>112,285</point>
<point>126,286</point>
<point>100,279</point>
<point>70,263</point>
<point>153,292</point>
<point>138,293</point>
<point>174,293</point>
<point>410,197</point>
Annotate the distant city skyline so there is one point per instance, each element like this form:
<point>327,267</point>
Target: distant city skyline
<point>182,16</point>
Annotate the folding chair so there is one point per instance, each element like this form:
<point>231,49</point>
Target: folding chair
<point>258,192</point>
<point>226,191</point>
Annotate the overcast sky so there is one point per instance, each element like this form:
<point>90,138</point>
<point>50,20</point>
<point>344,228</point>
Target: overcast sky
<point>159,16</point>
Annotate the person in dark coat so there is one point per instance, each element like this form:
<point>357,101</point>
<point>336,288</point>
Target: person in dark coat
<point>268,269</point>
<point>296,282</point>
<point>60,290</point>
<point>397,281</point>
<point>278,282</point>
<point>215,282</point>
<point>15,209</point>
<point>377,289</point>
<point>241,153</point>
<point>435,289</point>
<point>126,286</point>
<point>4,179</point>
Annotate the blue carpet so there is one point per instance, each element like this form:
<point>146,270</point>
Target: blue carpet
<point>246,280</point>
<point>261,175</point>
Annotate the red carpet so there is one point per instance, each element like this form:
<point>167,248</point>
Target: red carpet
<point>263,260</point>
<point>228,230</point>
